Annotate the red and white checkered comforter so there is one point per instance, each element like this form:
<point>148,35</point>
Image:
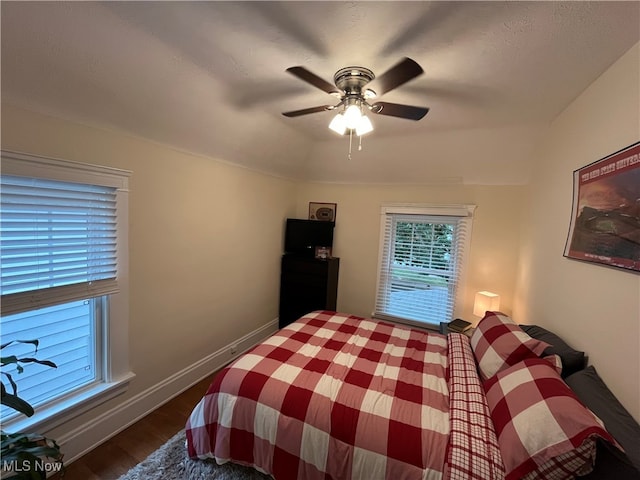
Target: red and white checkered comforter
<point>342,397</point>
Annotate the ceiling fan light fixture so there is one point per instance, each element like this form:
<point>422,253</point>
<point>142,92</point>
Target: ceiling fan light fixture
<point>364,126</point>
<point>338,124</point>
<point>352,116</point>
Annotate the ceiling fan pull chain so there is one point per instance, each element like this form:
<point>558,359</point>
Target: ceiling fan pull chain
<point>360,144</point>
<point>350,139</point>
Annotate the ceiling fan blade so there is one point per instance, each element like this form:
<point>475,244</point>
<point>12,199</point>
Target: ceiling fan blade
<point>409,112</point>
<point>304,74</point>
<point>305,111</point>
<point>397,75</point>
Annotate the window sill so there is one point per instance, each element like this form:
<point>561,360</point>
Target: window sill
<point>47,418</point>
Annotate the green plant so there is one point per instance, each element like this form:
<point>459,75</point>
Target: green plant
<point>23,453</point>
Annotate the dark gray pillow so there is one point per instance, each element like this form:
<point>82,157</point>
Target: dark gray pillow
<point>572,360</point>
<point>594,393</point>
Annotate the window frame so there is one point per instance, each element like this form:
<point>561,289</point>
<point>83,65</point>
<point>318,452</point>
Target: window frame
<point>114,344</point>
<point>94,321</point>
<point>422,210</point>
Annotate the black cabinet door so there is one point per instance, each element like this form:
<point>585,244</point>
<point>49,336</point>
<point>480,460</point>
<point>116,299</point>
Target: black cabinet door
<point>307,284</point>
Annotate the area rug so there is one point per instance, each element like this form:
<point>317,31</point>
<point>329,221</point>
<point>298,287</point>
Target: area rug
<point>170,462</point>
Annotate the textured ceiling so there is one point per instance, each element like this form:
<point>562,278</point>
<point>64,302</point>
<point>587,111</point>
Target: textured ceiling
<point>209,77</point>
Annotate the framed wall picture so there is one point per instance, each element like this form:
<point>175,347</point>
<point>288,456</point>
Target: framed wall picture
<point>323,253</point>
<point>605,217</point>
<point>325,212</point>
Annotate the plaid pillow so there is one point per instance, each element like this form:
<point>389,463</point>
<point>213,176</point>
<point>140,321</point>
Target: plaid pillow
<point>544,432</point>
<point>498,343</point>
<point>555,361</point>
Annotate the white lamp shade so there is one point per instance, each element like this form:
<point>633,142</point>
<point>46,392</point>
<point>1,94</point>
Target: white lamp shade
<point>352,116</point>
<point>338,124</point>
<point>485,302</point>
<point>364,125</point>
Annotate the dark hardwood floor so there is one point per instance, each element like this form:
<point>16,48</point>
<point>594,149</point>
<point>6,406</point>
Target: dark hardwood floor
<point>128,448</point>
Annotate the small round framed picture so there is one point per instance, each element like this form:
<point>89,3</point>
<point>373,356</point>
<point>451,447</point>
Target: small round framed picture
<point>325,212</point>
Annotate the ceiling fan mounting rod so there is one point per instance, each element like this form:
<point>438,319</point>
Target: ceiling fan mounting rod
<point>351,80</point>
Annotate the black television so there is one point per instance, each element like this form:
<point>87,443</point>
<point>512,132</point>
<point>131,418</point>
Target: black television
<point>302,236</point>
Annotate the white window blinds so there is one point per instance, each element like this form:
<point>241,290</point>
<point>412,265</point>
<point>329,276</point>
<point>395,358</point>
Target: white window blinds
<point>59,242</point>
<point>421,262</point>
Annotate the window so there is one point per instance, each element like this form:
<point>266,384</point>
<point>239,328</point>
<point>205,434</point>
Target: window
<point>69,336</point>
<point>63,278</point>
<point>422,257</point>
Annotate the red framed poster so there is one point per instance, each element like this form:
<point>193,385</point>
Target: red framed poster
<point>605,217</point>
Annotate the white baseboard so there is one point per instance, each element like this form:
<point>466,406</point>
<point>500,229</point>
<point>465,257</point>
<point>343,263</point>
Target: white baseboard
<point>88,436</point>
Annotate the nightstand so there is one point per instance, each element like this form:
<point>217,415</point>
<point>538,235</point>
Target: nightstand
<point>444,329</point>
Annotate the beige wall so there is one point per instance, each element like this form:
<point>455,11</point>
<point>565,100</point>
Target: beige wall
<point>497,155</point>
<point>494,240</point>
<point>205,242</point>
<point>595,308</point>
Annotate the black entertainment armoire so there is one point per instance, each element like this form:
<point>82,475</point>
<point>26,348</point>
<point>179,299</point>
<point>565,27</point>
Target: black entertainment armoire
<point>307,283</point>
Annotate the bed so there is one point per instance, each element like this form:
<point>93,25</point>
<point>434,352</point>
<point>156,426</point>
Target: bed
<point>338,396</point>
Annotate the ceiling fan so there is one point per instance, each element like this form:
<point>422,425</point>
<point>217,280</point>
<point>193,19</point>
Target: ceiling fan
<point>357,87</point>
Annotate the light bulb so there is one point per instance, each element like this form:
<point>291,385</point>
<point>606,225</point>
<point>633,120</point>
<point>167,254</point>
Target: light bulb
<point>338,124</point>
<point>352,116</point>
<point>364,125</point>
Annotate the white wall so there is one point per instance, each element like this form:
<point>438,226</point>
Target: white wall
<point>205,244</point>
<point>595,308</point>
<point>494,240</point>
